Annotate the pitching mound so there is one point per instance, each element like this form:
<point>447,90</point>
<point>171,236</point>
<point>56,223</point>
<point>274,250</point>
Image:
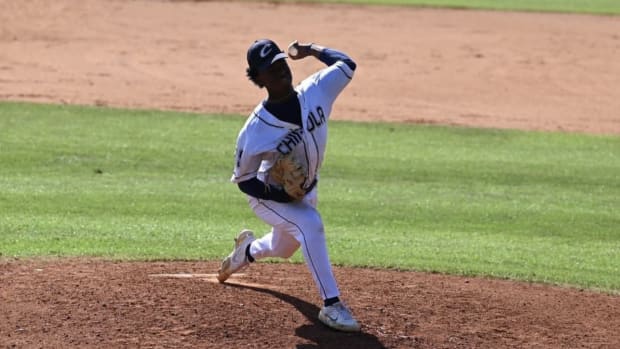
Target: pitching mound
<point>98,304</point>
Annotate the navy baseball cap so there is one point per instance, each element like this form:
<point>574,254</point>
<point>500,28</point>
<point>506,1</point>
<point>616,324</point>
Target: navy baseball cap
<point>262,53</point>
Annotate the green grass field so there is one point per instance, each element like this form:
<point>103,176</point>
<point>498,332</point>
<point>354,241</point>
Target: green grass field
<point>120,184</point>
<point>608,7</point>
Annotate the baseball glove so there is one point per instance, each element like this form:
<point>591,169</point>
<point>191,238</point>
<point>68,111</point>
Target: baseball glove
<point>290,173</point>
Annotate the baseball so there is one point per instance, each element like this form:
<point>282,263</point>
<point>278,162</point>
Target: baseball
<point>292,51</point>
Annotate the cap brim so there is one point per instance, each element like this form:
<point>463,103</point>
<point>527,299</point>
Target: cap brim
<point>278,57</point>
<point>275,58</point>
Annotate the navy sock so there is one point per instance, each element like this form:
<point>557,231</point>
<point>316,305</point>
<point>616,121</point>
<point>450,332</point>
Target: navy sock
<point>248,255</point>
<point>331,301</point>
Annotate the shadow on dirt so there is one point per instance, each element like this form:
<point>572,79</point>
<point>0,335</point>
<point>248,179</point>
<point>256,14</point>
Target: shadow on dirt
<point>322,336</point>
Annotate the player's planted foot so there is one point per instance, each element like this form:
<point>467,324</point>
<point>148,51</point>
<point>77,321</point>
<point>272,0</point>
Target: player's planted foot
<point>237,259</point>
<point>339,317</point>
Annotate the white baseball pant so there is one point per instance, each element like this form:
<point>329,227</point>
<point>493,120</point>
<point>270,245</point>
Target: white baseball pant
<point>294,225</point>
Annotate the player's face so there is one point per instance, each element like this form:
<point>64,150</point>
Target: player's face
<point>278,76</point>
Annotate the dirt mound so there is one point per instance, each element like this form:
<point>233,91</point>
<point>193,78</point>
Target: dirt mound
<point>98,304</point>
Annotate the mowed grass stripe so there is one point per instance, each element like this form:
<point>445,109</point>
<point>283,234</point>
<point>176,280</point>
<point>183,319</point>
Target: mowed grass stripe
<point>123,184</point>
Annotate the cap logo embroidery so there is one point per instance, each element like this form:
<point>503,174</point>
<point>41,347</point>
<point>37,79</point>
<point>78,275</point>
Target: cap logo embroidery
<point>264,53</point>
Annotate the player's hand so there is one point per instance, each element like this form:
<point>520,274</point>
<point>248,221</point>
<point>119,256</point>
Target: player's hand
<point>298,50</point>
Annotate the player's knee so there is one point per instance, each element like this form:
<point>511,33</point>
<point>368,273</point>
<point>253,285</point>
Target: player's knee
<point>313,234</point>
<point>306,226</point>
<point>316,219</point>
<point>313,225</point>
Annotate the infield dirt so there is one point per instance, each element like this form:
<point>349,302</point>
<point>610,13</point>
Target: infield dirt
<point>550,72</point>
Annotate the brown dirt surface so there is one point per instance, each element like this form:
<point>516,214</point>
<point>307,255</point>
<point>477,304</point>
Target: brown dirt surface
<point>471,68</point>
<point>101,304</point>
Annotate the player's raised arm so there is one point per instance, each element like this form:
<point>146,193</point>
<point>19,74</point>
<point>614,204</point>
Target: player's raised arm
<point>326,55</point>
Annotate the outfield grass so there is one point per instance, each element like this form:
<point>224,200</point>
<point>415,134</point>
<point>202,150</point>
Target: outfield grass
<point>119,184</point>
<point>608,7</point>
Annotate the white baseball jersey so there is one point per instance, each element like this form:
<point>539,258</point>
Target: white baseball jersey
<point>264,137</point>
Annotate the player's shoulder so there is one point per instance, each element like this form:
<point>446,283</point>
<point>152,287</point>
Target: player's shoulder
<point>261,120</point>
<point>310,82</point>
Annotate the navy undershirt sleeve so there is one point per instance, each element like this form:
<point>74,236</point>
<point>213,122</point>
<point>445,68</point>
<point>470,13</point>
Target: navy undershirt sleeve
<point>330,56</point>
<point>258,189</point>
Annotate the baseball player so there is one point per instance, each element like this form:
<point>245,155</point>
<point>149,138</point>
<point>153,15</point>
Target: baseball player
<point>291,121</point>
